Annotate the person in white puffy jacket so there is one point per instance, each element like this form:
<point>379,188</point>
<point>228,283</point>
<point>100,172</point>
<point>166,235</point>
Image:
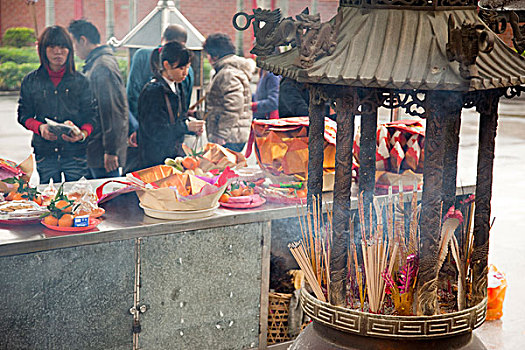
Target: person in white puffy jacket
<point>228,96</point>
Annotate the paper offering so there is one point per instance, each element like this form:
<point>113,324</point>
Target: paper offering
<point>60,129</point>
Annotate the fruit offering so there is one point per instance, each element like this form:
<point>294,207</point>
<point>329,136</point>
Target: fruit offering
<point>23,192</point>
<point>60,210</point>
<point>189,164</point>
<point>237,190</point>
<point>85,199</point>
<point>286,192</point>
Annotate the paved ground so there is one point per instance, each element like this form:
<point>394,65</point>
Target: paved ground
<point>507,243</point>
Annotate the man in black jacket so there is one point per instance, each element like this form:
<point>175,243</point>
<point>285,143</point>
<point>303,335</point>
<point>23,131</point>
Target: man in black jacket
<point>106,150</point>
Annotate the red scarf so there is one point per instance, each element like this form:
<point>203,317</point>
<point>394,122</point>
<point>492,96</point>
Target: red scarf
<point>56,77</point>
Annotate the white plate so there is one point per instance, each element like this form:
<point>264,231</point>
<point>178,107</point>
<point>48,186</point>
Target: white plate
<point>178,214</point>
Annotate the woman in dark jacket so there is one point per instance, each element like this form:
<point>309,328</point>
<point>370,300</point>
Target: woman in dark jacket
<point>162,115</point>
<point>57,92</point>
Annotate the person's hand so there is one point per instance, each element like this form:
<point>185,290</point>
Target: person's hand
<point>45,133</point>
<point>132,140</point>
<point>192,113</point>
<point>110,162</point>
<point>76,134</point>
<point>196,126</point>
<point>81,136</point>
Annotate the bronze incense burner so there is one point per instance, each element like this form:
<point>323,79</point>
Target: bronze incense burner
<point>431,58</point>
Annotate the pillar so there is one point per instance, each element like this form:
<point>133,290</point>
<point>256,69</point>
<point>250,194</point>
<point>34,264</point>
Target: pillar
<point>315,144</point>
<point>341,204</point>
<point>368,99</point>
<point>439,110</point>
<point>488,110</point>
<point>451,145</point>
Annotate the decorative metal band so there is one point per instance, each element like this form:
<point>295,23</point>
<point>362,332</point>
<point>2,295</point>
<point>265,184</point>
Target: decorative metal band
<point>413,102</point>
<point>429,4</point>
<point>396,327</point>
<point>513,91</point>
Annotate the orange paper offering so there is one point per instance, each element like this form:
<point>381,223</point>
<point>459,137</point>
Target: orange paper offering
<point>281,145</point>
<point>497,286</point>
<point>184,192</point>
<point>216,157</point>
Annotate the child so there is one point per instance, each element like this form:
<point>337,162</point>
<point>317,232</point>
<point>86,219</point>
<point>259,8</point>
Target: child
<point>162,114</point>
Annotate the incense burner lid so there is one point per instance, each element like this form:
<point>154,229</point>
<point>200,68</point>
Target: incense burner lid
<point>406,49</point>
<point>410,4</point>
<point>393,327</point>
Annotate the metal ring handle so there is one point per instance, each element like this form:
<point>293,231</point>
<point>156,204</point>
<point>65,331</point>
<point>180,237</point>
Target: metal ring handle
<point>485,41</point>
<point>245,15</point>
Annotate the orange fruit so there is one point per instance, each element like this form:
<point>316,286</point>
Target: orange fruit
<point>10,196</point>
<point>51,220</point>
<point>18,196</point>
<point>38,200</point>
<point>66,220</point>
<point>301,193</point>
<point>64,205</point>
<point>190,163</point>
<point>247,191</point>
<point>236,192</point>
<point>224,198</point>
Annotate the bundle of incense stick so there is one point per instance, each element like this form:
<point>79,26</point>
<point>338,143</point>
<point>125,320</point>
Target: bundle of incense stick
<point>316,243</point>
<point>380,252</point>
<point>376,255</point>
<point>299,253</point>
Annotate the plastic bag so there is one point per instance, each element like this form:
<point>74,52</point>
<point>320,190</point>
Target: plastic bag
<point>497,286</point>
<point>196,143</point>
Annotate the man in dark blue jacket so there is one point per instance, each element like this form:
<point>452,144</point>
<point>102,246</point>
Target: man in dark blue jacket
<point>139,74</point>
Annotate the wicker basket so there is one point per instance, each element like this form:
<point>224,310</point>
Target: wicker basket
<point>278,306</point>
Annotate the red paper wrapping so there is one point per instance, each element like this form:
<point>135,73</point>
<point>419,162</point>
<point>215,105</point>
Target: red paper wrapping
<point>412,156</point>
<point>382,134</point>
<point>396,157</point>
<point>382,155</point>
<point>398,137</point>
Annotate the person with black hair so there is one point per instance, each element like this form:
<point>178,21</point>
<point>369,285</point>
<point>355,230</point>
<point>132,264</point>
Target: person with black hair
<point>139,74</point>
<point>57,92</point>
<point>294,99</point>
<point>106,150</point>
<point>162,111</point>
<point>228,97</point>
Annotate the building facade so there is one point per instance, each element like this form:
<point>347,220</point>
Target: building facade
<point>117,17</point>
